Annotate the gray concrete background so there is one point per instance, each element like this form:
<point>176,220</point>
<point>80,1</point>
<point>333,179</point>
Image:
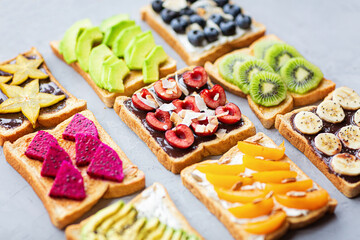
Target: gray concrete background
<point>324,31</point>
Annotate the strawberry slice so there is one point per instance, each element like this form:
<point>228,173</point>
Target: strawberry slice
<point>188,103</point>
<point>145,94</point>
<point>214,97</point>
<point>229,114</point>
<point>160,120</point>
<point>180,137</point>
<point>205,127</point>
<point>167,89</point>
<point>195,78</point>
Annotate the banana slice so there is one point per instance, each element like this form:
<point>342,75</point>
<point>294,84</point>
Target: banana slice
<point>350,136</point>
<point>308,122</point>
<point>346,164</point>
<point>330,111</point>
<point>347,98</point>
<point>328,143</point>
<point>356,118</point>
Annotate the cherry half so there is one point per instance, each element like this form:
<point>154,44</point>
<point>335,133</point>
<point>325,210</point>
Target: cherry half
<point>205,131</point>
<point>188,103</point>
<point>180,137</point>
<point>160,120</point>
<point>144,93</point>
<point>167,94</point>
<point>214,97</point>
<point>195,78</point>
<point>233,116</point>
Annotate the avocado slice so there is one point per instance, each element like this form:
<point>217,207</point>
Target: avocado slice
<point>167,234</point>
<point>133,231</point>
<point>193,237</point>
<point>105,70</point>
<point>151,225</point>
<point>84,45</point>
<point>119,226</point>
<point>114,31</point>
<point>138,49</point>
<point>151,64</point>
<point>68,43</point>
<point>177,235</point>
<point>157,233</point>
<point>111,21</point>
<point>117,73</point>
<point>184,236</point>
<point>97,56</point>
<point>124,38</point>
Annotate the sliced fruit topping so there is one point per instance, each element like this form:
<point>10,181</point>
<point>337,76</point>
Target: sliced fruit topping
<point>195,78</point>
<point>206,127</point>
<point>221,169</point>
<point>328,143</point>
<point>256,150</point>
<point>226,181</point>
<point>40,145</point>
<point>253,210</point>
<point>180,137</point>
<point>330,111</point>
<point>23,69</point>
<point>350,136</point>
<point>264,165</point>
<point>356,118</point>
<point>275,176</point>
<point>55,156</point>
<point>27,100</point>
<point>243,196</point>
<point>270,225</point>
<point>150,70</point>
<point>304,200</point>
<point>308,122</point>
<point>347,98</point>
<point>86,146</point>
<point>188,103</point>
<point>80,124</point>
<point>283,188</point>
<point>260,47</point>
<point>5,79</point>
<point>214,97</point>
<point>167,89</point>
<point>144,100</point>
<point>278,54</point>
<point>106,164</point>
<point>227,64</point>
<point>346,164</point>
<point>160,120</point>
<point>229,114</point>
<point>68,183</point>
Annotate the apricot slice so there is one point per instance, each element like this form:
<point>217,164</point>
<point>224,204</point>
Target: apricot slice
<point>220,169</point>
<point>256,150</point>
<point>273,176</point>
<point>253,210</point>
<point>271,224</point>
<point>264,165</point>
<point>225,181</point>
<point>244,196</point>
<point>287,187</point>
<point>311,201</point>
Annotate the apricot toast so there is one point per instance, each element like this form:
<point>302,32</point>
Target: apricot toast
<point>272,75</point>
<point>150,215</point>
<point>63,153</point>
<point>116,58</point>
<point>20,115</point>
<point>201,31</point>
<point>328,135</point>
<point>184,118</point>
<point>256,191</point>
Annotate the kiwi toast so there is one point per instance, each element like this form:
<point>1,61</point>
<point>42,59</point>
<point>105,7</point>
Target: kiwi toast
<point>63,211</point>
<point>213,194</point>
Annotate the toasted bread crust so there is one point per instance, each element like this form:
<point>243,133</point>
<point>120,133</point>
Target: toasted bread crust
<point>64,211</point>
<point>225,216</point>
<point>132,82</point>
<point>148,15</point>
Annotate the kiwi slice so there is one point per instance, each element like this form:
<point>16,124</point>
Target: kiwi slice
<point>226,65</point>
<point>278,54</point>
<point>267,89</point>
<point>243,72</point>
<point>261,47</point>
<point>301,75</point>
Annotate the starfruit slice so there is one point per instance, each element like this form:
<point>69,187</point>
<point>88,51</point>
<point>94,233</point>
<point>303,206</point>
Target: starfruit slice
<point>5,79</point>
<point>221,169</point>
<point>256,150</point>
<point>283,188</point>
<point>310,201</point>
<point>253,210</point>
<point>264,165</point>
<point>270,225</point>
<point>227,181</point>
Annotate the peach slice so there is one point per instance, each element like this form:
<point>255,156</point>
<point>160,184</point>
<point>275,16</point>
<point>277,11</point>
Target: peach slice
<point>273,176</point>
<point>311,201</point>
<point>264,165</point>
<point>256,150</point>
<point>220,169</point>
<point>271,224</point>
<point>253,210</point>
<point>243,196</point>
<point>225,181</point>
<point>283,188</point>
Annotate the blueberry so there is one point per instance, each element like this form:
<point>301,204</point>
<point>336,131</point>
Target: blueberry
<point>232,9</point>
<point>217,18</point>
<point>167,15</point>
<point>179,24</point>
<point>243,21</point>
<point>228,28</point>
<point>197,19</point>
<point>211,34</point>
<point>157,5</point>
<point>191,1</point>
<point>186,11</point>
<point>196,37</point>
<point>221,3</point>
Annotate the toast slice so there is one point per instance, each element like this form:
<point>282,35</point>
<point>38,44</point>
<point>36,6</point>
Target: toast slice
<point>132,82</point>
<point>148,15</point>
<point>237,230</point>
<point>216,146</point>
<point>16,125</point>
<point>73,232</point>
<point>64,211</point>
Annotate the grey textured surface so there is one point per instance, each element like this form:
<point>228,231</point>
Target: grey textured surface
<point>325,32</point>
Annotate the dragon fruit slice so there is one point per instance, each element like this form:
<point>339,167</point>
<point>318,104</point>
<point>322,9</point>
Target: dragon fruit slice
<point>80,124</point>
<point>106,164</point>
<point>53,160</point>
<point>68,183</point>
<point>86,146</point>
<point>40,145</point>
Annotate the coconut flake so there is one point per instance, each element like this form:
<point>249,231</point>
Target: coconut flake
<point>155,98</point>
<point>182,88</point>
<point>200,103</point>
<point>167,84</point>
<point>189,115</point>
<point>147,101</point>
<point>223,114</point>
<point>216,97</point>
<point>175,5</point>
<point>209,112</point>
<point>220,133</point>
<point>167,107</point>
<point>200,128</point>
